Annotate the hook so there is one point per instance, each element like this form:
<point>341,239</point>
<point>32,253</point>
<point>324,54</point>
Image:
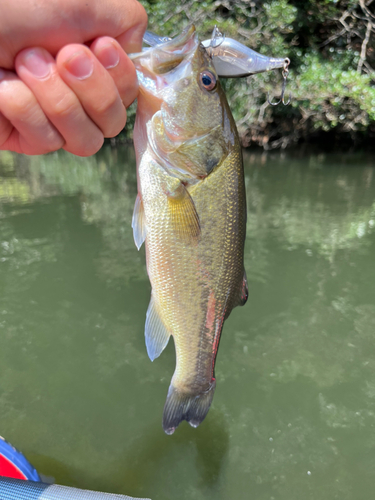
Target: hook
<point>282,97</point>
<point>216,35</point>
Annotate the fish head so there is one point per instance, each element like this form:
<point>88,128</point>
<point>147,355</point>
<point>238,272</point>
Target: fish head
<point>190,120</point>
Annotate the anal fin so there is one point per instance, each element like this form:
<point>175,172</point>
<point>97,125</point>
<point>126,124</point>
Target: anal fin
<point>156,334</point>
<point>138,222</point>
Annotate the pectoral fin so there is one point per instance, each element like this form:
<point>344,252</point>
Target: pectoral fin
<point>183,214</point>
<point>138,222</point>
<point>156,334</point>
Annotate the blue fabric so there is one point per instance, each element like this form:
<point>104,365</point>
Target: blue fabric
<point>17,489</point>
<point>16,457</point>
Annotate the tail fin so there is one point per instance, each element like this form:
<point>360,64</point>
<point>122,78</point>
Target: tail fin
<point>180,406</point>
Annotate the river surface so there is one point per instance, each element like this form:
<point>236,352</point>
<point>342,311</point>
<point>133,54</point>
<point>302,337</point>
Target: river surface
<point>293,415</point>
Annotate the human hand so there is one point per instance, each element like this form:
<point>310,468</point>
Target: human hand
<point>71,103</point>
<point>44,106</point>
<point>54,24</point>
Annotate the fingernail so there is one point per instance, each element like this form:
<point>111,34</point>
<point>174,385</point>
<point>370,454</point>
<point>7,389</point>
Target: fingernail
<point>109,56</point>
<point>35,62</point>
<point>80,65</point>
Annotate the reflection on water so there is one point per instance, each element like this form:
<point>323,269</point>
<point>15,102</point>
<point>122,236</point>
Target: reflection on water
<point>294,411</point>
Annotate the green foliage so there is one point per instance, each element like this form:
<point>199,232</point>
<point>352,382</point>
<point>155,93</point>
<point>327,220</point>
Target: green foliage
<point>335,97</point>
<point>331,45</point>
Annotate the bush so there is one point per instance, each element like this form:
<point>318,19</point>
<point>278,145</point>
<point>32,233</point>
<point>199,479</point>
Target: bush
<point>332,49</point>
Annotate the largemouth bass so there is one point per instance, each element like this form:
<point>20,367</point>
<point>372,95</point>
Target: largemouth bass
<point>191,213</point>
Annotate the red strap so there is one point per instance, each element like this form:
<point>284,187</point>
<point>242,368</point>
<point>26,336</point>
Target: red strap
<point>8,469</point>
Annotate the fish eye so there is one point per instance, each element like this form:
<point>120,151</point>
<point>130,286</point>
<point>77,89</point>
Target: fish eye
<point>208,80</point>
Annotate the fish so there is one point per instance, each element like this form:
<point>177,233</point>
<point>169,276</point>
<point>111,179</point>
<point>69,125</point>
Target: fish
<point>190,212</point>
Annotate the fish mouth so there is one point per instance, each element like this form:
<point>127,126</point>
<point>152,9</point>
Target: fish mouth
<point>166,63</point>
<point>164,69</point>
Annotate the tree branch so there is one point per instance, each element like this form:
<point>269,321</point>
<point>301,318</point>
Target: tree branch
<point>364,47</point>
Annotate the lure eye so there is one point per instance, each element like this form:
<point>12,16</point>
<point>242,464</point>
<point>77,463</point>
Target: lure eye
<point>208,80</point>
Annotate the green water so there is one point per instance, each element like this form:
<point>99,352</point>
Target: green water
<point>294,410</point>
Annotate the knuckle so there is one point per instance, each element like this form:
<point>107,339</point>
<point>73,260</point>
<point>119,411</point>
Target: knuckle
<point>50,140</point>
<point>5,129</point>
<point>115,128</point>
<point>143,18</point>
<point>114,123</point>
<point>65,107</point>
<point>107,104</point>
<point>21,108</point>
<point>53,142</point>
<point>96,144</point>
<point>19,103</point>
<point>90,147</point>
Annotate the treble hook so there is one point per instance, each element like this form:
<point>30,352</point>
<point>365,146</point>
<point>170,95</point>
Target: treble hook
<point>216,35</point>
<point>285,76</point>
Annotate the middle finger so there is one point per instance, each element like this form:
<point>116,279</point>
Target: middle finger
<point>94,87</point>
